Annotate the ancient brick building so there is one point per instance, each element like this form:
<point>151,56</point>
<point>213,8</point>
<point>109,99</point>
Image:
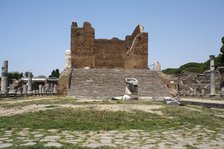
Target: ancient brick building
<point>86,51</point>
<point>107,68</point>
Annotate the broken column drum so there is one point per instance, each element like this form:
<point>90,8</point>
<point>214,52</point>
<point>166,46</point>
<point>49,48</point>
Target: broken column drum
<point>4,81</point>
<point>29,90</point>
<point>212,78</point>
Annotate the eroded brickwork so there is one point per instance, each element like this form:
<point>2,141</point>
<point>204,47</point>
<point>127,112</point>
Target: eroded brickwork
<point>86,51</point>
<point>82,46</point>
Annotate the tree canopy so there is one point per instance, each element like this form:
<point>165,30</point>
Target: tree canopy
<point>15,75</point>
<point>222,52</point>
<point>55,73</point>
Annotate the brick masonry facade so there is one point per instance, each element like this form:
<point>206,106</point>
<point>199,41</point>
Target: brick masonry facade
<point>86,51</point>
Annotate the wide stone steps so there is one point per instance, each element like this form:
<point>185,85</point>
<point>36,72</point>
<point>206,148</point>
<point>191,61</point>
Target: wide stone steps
<point>108,83</point>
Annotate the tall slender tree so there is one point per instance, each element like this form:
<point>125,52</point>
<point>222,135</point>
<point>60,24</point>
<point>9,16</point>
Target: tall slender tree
<point>222,51</point>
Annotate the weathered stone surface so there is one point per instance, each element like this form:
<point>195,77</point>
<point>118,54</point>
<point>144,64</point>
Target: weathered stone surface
<point>6,145</point>
<point>28,144</point>
<point>97,83</point>
<point>212,78</point>
<point>109,83</point>
<point>30,76</point>
<point>53,144</point>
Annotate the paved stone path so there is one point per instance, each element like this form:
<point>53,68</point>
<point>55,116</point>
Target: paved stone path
<point>203,100</point>
<point>197,137</point>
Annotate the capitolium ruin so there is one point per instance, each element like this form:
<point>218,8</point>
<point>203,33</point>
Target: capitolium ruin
<point>108,68</point>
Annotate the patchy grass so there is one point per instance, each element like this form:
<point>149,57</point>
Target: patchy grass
<point>190,118</point>
<point>174,117</point>
<point>191,147</point>
<point>76,119</point>
<point>25,101</point>
<point>65,146</point>
<point>28,101</point>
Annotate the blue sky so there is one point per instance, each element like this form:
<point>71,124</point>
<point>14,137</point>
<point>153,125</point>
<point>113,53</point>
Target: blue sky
<point>34,34</point>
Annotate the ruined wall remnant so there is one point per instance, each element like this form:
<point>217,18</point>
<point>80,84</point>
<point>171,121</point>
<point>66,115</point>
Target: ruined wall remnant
<point>82,46</point>
<point>86,51</point>
<point>137,45</point>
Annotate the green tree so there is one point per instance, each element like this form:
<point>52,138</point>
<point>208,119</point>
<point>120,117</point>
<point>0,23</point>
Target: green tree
<point>26,74</point>
<point>55,73</point>
<point>15,75</point>
<point>170,71</point>
<point>222,52</point>
<point>192,67</point>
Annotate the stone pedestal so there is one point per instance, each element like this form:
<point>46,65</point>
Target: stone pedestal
<point>4,81</point>
<point>212,78</point>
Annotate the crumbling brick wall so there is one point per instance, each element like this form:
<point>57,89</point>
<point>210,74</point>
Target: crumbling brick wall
<point>86,51</point>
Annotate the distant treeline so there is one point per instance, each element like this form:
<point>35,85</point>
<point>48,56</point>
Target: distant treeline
<point>198,67</point>
<point>194,67</point>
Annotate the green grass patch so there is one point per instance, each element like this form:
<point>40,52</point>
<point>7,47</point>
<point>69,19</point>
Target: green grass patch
<point>174,117</point>
<point>71,119</point>
<point>191,147</point>
<point>191,118</point>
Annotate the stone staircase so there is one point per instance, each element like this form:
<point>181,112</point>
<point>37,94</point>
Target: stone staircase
<point>108,83</point>
<point>149,83</point>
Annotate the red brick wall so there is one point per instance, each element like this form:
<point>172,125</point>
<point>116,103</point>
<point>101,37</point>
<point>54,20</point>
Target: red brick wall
<point>86,51</point>
<point>109,53</point>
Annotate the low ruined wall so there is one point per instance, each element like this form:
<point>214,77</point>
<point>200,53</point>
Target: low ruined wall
<point>64,82</point>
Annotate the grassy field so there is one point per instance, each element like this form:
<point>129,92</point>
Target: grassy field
<point>71,119</point>
<point>173,117</point>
